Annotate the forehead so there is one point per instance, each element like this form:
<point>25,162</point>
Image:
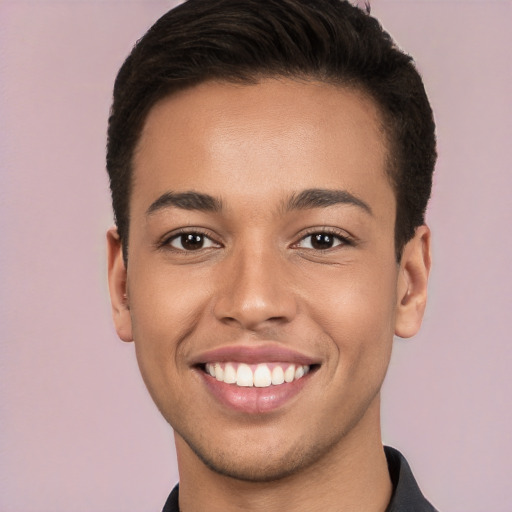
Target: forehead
<point>261,140</point>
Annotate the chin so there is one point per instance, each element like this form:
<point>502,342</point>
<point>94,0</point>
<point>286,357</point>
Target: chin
<point>258,469</point>
<point>258,464</point>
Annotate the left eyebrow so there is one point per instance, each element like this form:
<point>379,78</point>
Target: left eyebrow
<point>186,201</point>
<point>321,198</point>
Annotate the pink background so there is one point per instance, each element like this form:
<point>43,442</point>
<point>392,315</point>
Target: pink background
<point>78,430</point>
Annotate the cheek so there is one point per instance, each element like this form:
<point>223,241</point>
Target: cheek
<point>165,308</point>
<point>356,310</point>
<point>165,301</point>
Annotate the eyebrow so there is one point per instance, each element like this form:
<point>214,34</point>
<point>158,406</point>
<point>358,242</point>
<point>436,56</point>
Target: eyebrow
<point>321,198</point>
<point>186,201</point>
<point>310,198</point>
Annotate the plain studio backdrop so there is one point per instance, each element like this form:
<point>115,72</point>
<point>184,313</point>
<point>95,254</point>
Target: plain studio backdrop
<point>78,431</point>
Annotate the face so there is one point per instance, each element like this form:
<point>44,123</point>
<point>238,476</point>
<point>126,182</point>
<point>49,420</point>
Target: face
<point>262,290</point>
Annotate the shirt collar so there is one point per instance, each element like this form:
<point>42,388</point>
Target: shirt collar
<point>406,493</point>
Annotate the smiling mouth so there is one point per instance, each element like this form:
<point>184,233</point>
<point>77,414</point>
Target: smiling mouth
<point>260,375</point>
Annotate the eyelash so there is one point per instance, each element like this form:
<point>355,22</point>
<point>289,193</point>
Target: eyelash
<point>343,238</point>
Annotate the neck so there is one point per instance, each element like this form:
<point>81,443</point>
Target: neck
<point>352,476</point>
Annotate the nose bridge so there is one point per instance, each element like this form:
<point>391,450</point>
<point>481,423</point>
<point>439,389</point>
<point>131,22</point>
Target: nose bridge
<point>253,289</point>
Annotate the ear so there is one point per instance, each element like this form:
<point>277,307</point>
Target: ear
<point>117,286</point>
<point>412,283</point>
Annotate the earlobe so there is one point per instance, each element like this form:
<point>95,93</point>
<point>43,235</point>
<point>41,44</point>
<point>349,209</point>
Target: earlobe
<point>412,283</point>
<point>117,286</point>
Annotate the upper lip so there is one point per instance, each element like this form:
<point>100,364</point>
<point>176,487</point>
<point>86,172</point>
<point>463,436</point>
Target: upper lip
<point>253,355</point>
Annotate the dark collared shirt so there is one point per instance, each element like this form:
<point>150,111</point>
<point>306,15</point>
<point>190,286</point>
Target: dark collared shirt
<point>406,497</point>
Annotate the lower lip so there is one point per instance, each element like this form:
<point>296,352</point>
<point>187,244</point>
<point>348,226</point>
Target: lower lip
<point>253,400</point>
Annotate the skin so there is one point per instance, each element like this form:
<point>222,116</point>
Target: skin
<point>258,280</point>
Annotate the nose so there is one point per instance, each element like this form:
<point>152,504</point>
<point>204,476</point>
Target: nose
<point>255,291</point>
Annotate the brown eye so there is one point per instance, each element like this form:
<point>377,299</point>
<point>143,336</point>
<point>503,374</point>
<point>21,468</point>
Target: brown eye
<point>321,241</point>
<point>191,242</point>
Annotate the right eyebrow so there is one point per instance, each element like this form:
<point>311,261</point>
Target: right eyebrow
<point>185,201</point>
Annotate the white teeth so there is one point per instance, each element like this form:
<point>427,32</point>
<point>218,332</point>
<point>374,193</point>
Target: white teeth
<point>244,376</point>
<point>299,372</point>
<point>229,374</point>
<point>260,376</point>
<point>277,376</point>
<point>219,372</point>
<point>289,374</point>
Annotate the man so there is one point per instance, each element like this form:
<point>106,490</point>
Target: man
<point>270,165</point>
